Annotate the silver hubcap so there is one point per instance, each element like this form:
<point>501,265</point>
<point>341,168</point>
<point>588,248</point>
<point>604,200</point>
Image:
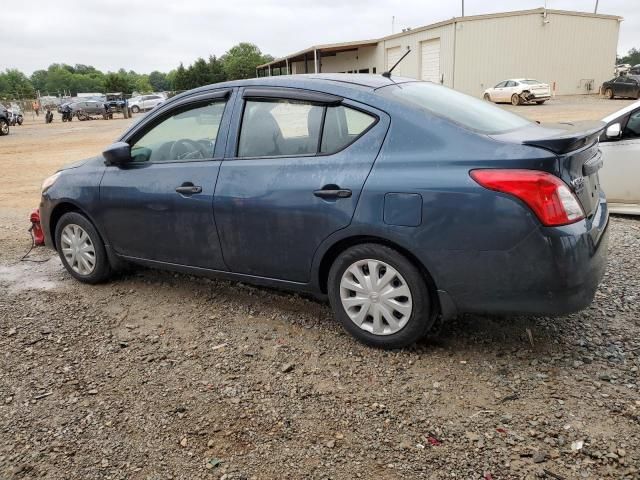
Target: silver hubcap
<point>376,297</point>
<point>78,249</point>
<point>4,126</point>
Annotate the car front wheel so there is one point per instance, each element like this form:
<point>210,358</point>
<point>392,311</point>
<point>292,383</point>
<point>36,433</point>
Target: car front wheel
<point>4,127</point>
<point>608,93</point>
<point>487,97</point>
<point>515,99</point>
<point>135,109</point>
<point>379,296</point>
<point>81,249</point>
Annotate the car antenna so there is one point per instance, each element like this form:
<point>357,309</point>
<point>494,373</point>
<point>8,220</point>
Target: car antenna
<point>388,73</point>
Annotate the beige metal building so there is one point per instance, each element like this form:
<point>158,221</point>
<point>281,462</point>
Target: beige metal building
<point>573,51</point>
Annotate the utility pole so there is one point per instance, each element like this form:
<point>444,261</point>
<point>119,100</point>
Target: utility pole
<point>393,24</point>
<point>595,10</point>
<point>463,8</point>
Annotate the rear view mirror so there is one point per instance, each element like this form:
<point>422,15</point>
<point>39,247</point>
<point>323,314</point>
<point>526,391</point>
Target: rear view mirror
<point>117,153</point>
<point>613,131</point>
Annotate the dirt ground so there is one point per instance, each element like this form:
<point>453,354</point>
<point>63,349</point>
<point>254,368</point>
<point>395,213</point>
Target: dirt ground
<point>164,376</point>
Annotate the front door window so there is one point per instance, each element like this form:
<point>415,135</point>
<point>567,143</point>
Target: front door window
<point>186,135</point>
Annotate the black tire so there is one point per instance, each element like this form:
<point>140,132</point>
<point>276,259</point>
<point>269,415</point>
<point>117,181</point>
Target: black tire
<point>102,268</point>
<point>609,94</point>
<point>4,127</point>
<point>135,109</point>
<point>516,99</point>
<point>487,97</point>
<point>421,318</point>
<point>20,120</point>
<point>540,102</point>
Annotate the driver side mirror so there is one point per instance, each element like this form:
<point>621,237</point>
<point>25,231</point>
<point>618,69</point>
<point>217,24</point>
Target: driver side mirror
<point>117,154</point>
<point>613,131</point>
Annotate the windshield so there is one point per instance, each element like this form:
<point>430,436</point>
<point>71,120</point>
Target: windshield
<point>530,82</point>
<point>472,113</point>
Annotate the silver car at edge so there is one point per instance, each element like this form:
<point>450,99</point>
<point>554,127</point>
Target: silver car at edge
<point>620,146</point>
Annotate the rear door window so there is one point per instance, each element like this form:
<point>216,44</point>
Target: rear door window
<point>342,126</point>
<point>292,128</point>
<point>280,127</point>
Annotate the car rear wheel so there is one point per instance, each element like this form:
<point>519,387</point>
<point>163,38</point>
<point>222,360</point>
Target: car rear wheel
<point>4,127</point>
<point>135,109</point>
<point>379,296</point>
<point>515,99</point>
<point>81,249</point>
<point>608,93</point>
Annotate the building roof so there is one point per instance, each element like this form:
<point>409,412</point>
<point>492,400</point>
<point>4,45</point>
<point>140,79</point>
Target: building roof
<point>329,47</point>
<point>344,46</point>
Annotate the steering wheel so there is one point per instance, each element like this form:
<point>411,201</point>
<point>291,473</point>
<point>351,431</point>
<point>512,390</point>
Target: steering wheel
<point>186,148</point>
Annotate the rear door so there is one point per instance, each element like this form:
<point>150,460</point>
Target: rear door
<point>296,163</point>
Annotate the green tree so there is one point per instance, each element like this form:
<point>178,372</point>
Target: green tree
<point>241,61</point>
<point>632,57</point>
<point>117,82</point>
<point>39,79</point>
<point>14,84</point>
<point>198,74</point>
<point>171,80</point>
<point>158,81</point>
<point>58,81</point>
<point>181,80</point>
<point>216,70</point>
<point>143,85</point>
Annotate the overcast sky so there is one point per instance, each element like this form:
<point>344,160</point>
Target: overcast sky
<point>146,35</point>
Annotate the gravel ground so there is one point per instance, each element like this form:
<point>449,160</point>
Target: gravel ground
<point>160,376</point>
<point>164,376</point>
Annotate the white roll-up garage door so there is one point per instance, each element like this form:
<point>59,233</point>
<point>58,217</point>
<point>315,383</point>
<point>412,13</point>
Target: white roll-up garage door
<point>393,55</point>
<point>431,60</point>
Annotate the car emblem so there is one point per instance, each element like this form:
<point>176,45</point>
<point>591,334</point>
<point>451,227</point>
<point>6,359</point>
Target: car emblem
<point>577,184</point>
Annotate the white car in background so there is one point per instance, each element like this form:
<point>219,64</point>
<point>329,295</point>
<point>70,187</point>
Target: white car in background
<point>518,91</point>
<point>620,173</point>
<point>142,103</point>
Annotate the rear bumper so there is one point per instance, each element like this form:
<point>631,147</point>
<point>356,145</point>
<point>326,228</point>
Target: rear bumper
<point>538,96</point>
<point>554,271</point>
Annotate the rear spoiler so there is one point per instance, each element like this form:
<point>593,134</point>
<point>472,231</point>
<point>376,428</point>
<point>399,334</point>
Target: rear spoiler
<point>573,136</point>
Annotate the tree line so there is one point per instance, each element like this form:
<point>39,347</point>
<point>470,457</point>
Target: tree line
<point>238,62</point>
<point>632,57</point>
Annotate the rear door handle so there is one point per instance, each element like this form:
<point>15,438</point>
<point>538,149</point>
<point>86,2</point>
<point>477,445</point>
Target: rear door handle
<point>331,193</point>
<point>188,188</point>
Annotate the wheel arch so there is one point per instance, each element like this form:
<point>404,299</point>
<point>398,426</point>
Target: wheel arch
<point>341,245</point>
<point>66,207</point>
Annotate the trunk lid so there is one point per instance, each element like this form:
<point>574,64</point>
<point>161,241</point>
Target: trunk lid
<point>577,148</point>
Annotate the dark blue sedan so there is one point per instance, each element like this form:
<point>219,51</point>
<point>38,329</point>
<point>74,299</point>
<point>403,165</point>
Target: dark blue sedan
<point>401,201</point>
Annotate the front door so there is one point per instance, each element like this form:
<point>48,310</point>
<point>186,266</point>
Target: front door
<point>160,206</point>
<point>293,177</point>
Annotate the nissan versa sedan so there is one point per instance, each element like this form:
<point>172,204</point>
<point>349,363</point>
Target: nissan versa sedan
<point>401,201</point>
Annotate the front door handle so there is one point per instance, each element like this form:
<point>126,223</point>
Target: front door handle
<point>332,192</point>
<point>188,188</point>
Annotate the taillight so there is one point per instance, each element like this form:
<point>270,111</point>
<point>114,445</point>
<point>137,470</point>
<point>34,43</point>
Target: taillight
<point>547,195</point>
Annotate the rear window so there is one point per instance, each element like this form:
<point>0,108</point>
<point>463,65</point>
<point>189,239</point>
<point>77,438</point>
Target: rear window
<point>530,82</point>
<point>472,113</point>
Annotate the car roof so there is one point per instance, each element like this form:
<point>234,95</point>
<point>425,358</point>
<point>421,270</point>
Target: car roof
<point>355,80</point>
